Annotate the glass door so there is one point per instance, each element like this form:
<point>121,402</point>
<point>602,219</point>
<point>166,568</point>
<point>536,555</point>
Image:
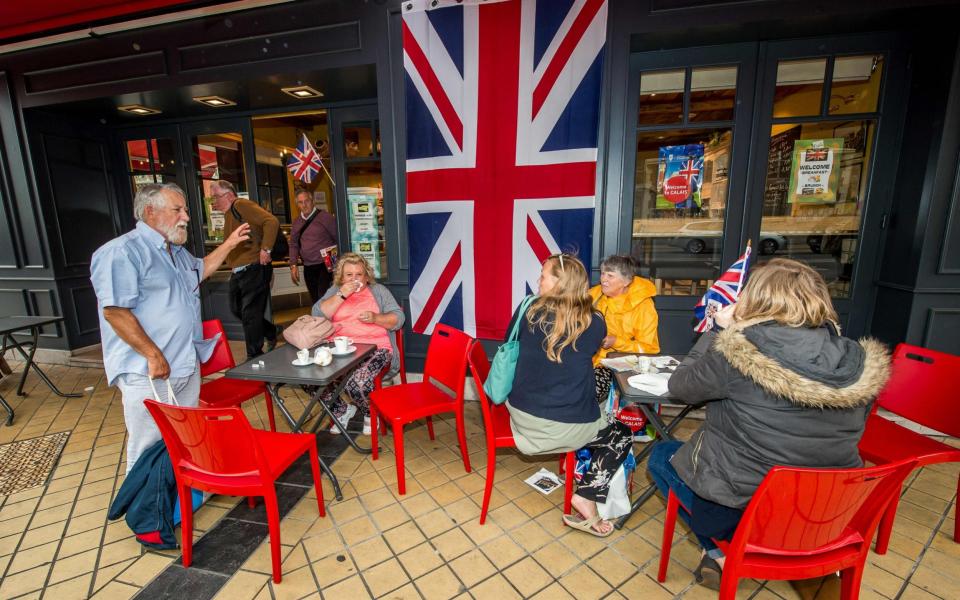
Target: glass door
<point>150,156</point>
<point>692,111</point>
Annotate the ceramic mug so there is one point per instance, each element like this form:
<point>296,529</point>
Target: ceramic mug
<point>303,355</point>
<point>644,364</point>
<point>341,342</point>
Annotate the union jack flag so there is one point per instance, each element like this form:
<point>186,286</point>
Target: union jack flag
<point>723,292</point>
<point>816,154</point>
<point>305,162</point>
<point>502,111</point>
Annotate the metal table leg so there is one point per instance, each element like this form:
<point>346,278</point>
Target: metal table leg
<point>29,364</point>
<point>664,430</point>
<point>9,410</point>
<point>350,439</point>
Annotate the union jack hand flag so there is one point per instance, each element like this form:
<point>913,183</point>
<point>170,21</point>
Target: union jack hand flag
<point>305,162</point>
<point>502,103</point>
<point>723,292</point>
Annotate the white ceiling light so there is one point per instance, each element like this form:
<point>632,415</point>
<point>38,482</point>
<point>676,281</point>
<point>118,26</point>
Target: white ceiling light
<point>138,109</point>
<point>302,92</point>
<point>214,101</point>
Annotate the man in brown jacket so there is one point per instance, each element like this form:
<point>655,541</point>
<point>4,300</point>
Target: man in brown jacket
<point>251,264</point>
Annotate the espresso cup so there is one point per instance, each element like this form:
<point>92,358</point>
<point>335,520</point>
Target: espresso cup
<point>341,343</point>
<point>644,364</point>
<point>303,355</point>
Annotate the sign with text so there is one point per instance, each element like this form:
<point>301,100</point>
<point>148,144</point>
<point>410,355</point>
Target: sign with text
<point>679,176</point>
<point>815,171</point>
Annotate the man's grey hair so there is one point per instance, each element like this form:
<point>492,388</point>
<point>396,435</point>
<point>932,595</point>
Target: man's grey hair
<point>224,186</point>
<point>301,192</point>
<point>622,265</point>
<point>152,195</point>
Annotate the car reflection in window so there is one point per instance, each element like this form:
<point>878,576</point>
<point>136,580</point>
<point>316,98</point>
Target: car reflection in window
<point>769,243</point>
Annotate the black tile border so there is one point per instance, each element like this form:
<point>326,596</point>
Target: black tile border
<point>223,549</point>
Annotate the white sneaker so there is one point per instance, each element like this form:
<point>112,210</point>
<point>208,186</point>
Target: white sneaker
<point>344,419</point>
<point>366,425</point>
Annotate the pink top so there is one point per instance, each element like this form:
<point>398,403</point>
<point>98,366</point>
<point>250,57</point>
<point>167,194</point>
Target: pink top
<point>349,325</point>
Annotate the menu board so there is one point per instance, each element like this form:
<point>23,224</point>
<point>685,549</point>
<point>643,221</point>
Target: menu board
<point>779,162</point>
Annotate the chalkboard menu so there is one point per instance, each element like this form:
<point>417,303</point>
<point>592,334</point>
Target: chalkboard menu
<point>779,160</point>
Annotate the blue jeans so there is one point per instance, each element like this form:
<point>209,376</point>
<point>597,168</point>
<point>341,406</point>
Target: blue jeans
<point>666,479</point>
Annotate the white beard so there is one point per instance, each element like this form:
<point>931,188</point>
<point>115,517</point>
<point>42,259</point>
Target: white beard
<point>176,234</point>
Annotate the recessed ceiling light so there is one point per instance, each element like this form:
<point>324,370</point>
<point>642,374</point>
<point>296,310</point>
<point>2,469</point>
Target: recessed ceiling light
<point>138,109</point>
<point>302,91</point>
<point>214,101</point>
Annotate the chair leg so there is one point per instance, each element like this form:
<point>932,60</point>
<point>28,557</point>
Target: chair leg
<point>666,544</point>
<point>569,467</point>
<point>273,423</point>
<point>317,484</point>
<point>886,525</point>
<point>273,524</point>
<point>956,516</point>
<point>374,431</point>
<point>252,501</point>
<point>430,428</point>
<point>462,438</point>
<point>729,580</point>
<point>186,523</point>
<point>488,486</point>
<point>850,582</point>
<point>398,452</point>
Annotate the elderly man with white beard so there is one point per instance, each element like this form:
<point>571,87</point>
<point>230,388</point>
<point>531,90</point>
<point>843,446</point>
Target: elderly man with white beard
<point>148,294</point>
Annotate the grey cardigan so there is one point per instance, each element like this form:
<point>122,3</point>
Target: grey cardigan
<point>387,304</point>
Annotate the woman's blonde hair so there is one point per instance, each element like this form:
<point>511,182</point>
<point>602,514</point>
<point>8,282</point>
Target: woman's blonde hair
<point>786,291</point>
<point>352,258</point>
<point>565,312</point>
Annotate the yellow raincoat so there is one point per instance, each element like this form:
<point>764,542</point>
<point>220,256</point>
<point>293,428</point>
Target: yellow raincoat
<point>631,317</point>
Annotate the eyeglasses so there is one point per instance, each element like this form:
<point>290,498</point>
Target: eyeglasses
<point>560,257</point>
<point>221,194</point>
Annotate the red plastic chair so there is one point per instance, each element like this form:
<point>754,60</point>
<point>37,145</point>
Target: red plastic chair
<point>803,523</point>
<point>401,404</point>
<point>496,422</point>
<point>922,389</point>
<point>218,451</point>
<point>224,392</point>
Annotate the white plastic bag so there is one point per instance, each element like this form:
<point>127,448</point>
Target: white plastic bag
<point>618,501</point>
<point>172,399</point>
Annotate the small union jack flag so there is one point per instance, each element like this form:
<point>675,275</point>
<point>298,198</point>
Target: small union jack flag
<point>723,292</point>
<point>816,154</point>
<point>305,162</point>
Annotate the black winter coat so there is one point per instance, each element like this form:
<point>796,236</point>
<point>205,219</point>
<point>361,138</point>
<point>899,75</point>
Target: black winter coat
<point>147,496</point>
<point>776,395</point>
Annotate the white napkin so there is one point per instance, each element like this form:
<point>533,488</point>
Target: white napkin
<point>652,383</point>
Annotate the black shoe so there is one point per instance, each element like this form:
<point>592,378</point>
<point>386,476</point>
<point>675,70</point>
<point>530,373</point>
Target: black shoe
<point>708,573</point>
<point>271,344</point>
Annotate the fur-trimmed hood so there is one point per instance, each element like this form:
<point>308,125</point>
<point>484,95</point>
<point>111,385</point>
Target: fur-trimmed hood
<point>815,368</point>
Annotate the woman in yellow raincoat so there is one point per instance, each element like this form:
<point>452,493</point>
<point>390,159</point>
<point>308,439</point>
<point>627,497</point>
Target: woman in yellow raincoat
<point>626,303</point>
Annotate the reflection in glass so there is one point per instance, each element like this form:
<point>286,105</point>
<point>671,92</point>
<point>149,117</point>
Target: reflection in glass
<point>680,198</point>
<point>150,161</point>
<point>217,156</point>
<point>365,198</point>
<point>713,93</point>
<point>661,97</point>
<point>855,86</point>
<point>358,141</point>
<point>816,182</point>
<point>799,87</point>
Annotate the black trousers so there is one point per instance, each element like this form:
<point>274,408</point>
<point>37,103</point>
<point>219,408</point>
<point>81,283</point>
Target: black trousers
<point>249,294</point>
<point>317,279</point>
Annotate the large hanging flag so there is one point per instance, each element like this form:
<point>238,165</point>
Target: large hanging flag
<point>503,103</point>
<point>723,292</point>
<point>305,161</point>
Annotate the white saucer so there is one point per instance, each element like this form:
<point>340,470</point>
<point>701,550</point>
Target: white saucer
<point>296,362</point>
<point>349,350</point>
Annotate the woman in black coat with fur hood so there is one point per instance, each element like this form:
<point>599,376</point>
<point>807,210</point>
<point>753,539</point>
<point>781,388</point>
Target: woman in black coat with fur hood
<point>781,387</point>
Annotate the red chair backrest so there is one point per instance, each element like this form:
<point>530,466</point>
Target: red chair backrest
<point>222,357</point>
<point>921,388</point>
<point>447,358</point>
<point>210,440</point>
<point>480,368</point>
<point>808,511</point>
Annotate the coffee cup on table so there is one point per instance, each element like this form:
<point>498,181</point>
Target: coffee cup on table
<point>644,364</point>
<point>303,355</point>
<point>341,343</point>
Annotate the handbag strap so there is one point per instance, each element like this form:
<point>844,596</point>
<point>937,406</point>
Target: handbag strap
<point>523,310</point>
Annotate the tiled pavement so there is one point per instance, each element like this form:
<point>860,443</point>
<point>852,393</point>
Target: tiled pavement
<point>55,540</point>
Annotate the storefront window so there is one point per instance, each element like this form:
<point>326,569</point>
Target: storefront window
<point>799,87</point>
<point>365,194</point>
<point>661,98</point>
<point>713,94</point>
<point>217,156</point>
<point>150,161</point>
<point>855,86</point>
<point>816,182</point>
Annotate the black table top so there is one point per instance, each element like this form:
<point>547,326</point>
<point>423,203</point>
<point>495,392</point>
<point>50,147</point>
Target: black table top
<point>20,323</point>
<point>278,367</point>
<point>636,396</point>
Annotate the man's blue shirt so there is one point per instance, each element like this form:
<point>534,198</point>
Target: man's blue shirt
<point>162,290</point>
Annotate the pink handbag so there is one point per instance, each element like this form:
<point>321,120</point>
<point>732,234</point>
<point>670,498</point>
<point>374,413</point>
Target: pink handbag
<point>307,331</point>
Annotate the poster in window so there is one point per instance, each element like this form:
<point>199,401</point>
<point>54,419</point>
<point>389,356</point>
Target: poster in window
<point>679,176</point>
<point>363,224</point>
<point>815,172</point>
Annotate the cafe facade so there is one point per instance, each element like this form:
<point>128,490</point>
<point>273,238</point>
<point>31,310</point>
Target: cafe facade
<point>824,132</point>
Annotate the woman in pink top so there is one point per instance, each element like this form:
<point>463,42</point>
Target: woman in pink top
<point>366,312</point>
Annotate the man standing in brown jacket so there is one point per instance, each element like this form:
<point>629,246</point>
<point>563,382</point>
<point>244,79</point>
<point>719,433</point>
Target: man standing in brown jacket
<point>251,264</point>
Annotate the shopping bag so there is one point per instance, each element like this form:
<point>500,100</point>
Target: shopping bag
<point>500,380</point>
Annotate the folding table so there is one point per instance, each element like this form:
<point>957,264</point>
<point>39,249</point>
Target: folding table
<point>22,324</point>
<point>278,370</point>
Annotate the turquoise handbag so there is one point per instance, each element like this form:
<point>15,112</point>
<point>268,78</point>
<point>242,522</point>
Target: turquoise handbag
<point>500,380</point>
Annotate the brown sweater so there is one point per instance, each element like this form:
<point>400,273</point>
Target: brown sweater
<point>263,232</point>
